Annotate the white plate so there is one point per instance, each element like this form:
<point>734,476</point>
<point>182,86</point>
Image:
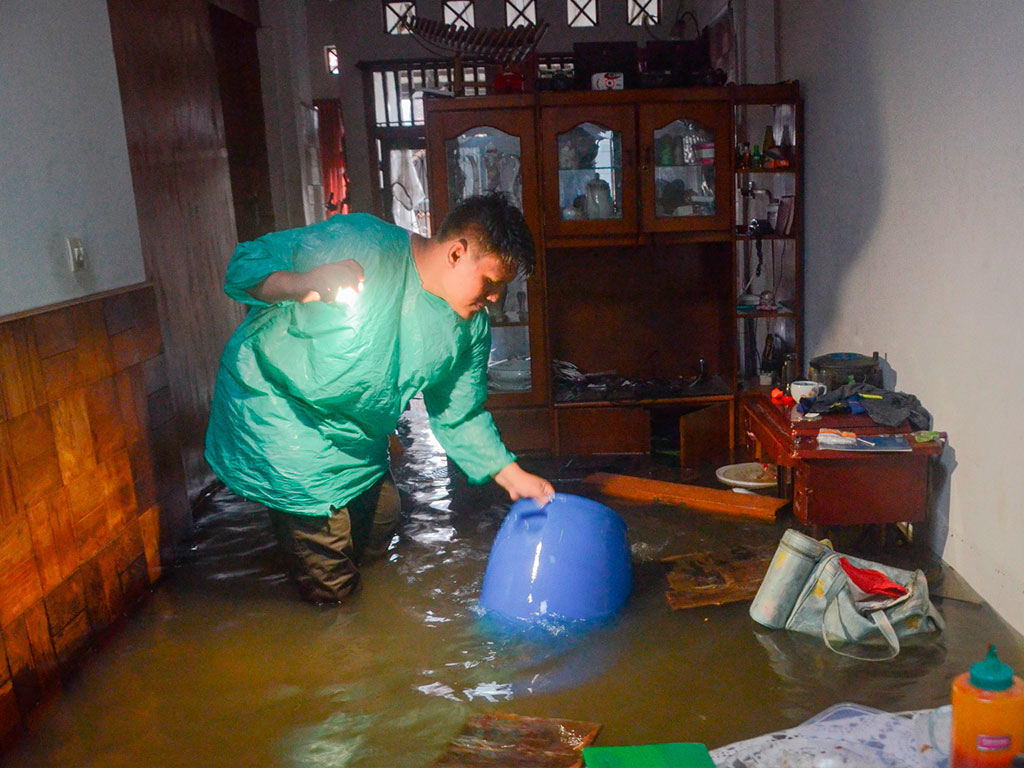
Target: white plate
<point>511,371</point>
<point>495,385</point>
<point>750,474</point>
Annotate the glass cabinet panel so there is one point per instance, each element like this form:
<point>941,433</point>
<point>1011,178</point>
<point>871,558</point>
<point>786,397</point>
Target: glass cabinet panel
<point>684,170</point>
<point>590,173</point>
<point>480,161</point>
<point>484,160</point>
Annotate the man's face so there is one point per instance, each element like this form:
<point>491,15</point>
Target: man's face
<point>475,280</point>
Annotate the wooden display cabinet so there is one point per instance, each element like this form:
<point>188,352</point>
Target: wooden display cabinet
<point>639,273</point>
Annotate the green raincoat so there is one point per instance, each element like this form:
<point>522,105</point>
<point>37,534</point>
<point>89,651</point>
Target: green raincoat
<point>307,394</point>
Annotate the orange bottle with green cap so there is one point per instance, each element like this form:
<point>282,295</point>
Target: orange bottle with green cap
<point>988,715</point>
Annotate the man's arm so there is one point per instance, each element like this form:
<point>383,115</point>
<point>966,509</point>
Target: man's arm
<point>321,283</point>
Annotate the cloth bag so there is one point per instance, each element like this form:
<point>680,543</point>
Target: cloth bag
<point>808,589</point>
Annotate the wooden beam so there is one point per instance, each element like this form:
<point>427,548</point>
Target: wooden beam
<point>695,497</point>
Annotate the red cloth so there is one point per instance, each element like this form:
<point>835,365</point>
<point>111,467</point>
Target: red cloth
<point>779,397</point>
<point>871,581</point>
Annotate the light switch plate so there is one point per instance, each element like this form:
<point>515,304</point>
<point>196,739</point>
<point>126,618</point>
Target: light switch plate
<point>76,253</point>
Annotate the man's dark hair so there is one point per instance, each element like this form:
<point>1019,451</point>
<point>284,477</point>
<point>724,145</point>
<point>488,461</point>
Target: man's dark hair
<point>497,226</point>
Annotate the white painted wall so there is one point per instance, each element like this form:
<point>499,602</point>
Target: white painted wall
<point>63,155</point>
<point>915,238</point>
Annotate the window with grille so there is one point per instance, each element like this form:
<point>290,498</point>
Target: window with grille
<point>519,13</point>
<point>394,12</point>
<point>331,59</point>
<point>396,130</point>
<point>640,12</point>
<point>581,13</point>
<point>459,13</point>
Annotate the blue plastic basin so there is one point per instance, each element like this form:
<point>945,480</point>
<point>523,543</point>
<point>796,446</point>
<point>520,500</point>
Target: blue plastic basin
<point>568,559</point>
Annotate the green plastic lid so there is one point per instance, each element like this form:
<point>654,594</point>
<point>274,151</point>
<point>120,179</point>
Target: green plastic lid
<point>991,674</point>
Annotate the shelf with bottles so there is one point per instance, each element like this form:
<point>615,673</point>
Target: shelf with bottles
<point>766,138</point>
<point>765,344</point>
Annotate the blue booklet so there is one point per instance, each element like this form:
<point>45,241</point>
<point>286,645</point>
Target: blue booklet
<point>872,443</point>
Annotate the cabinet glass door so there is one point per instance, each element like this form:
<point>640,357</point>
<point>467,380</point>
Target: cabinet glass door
<point>479,161</point>
<point>686,166</point>
<point>684,170</point>
<point>589,173</point>
<point>589,168</point>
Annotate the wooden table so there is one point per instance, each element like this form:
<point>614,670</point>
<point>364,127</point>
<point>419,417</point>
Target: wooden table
<point>830,487</point>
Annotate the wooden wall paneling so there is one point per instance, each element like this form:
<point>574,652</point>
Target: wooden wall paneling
<point>21,379</point>
<point>82,525</point>
<point>149,528</point>
<point>11,724</point>
<point>28,684</point>
<point>9,493</point>
<point>20,585</point>
<point>35,456</point>
<point>67,620</point>
<point>72,433</point>
<point>43,654</point>
<point>105,418</point>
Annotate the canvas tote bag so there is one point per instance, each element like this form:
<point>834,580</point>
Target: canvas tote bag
<point>860,610</point>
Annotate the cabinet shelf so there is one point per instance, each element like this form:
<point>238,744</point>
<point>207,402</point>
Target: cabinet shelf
<point>785,315</point>
<point>790,236</point>
<point>591,168</point>
<point>509,323</point>
<point>743,171</point>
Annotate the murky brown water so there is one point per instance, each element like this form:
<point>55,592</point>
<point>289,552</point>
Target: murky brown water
<point>224,666</point>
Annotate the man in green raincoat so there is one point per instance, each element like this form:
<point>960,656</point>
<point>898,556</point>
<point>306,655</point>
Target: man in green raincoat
<point>350,318</point>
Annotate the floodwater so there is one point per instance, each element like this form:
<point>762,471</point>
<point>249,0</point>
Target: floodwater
<point>224,666</point>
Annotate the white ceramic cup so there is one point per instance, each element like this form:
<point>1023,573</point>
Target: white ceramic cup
<point>798,390</point>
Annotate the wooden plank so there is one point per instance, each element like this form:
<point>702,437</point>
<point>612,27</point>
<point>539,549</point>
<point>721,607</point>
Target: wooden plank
<point>716,577</point>
<point>503,740</point>
<point>696,497</point>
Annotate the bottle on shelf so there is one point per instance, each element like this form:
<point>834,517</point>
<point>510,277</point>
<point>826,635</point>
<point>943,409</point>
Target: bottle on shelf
<point>988,715</point>
<point>756,158</point>
<point>746,155</point>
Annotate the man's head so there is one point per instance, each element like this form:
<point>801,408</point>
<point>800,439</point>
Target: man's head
<point>487,243</point>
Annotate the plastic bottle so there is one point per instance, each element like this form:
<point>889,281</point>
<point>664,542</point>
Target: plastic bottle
<point>756,159</point>
<point>988,715</point>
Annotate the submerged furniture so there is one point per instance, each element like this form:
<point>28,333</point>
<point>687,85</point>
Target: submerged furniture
<point>568,559</point>
<point>830,487</point>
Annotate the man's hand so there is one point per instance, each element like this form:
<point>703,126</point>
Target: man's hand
<point>520,484</point>
<point>321,283</point>
<point>328,280</point>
